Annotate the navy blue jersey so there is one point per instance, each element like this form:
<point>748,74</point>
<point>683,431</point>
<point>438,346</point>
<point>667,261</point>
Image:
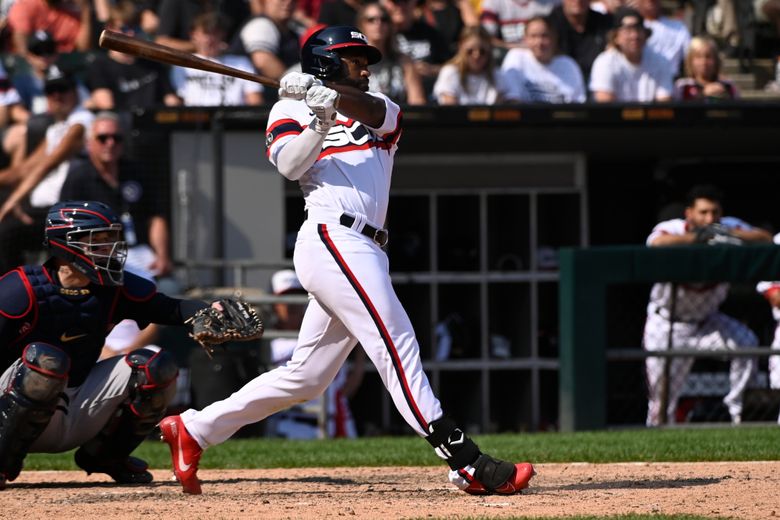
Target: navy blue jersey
<point>35,307</point>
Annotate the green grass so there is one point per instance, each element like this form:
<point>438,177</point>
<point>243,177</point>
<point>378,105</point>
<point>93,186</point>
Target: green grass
<point>642,445</point>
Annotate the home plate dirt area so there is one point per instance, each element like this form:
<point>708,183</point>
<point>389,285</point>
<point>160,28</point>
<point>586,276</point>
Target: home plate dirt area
<point>745,490</point>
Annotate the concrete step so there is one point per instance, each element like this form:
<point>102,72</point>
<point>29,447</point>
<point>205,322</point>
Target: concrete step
<point>760,95</point>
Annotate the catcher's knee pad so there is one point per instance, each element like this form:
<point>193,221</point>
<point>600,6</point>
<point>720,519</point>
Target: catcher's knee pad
<point>451,444</point>
<point>152,385</point>
<point>29,402</point>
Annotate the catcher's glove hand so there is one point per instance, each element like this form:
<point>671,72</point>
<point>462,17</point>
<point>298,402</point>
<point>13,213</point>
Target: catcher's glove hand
<point>714,234</point>
<point>237,321</point>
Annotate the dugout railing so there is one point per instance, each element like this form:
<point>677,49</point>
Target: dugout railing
<point>586,275</point>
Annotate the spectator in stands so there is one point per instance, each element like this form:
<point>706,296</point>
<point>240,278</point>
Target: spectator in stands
<point>13,120</point>
<point>41,175</point>
<point>118,81</point>
<point>687,316</point>
<point>394,76</point>
<point>505,19</point>
<point>105,176</point>
<point>339,12</point>
<point>771,291</point>
<point>418,40</point>
<point>702,81</point>
<point>582,32</point>
<point>271,41</point>
<point>449,17</point>
<point>630,71</point>
<point>472,76</point>
<point>201,88</point>
<point>301,421</point>
<point>41,54</point>
<point>670,37</point>
<point>68,21</point>
<point>539,73</point>
<point>176,18</point>
<point>607,6</point>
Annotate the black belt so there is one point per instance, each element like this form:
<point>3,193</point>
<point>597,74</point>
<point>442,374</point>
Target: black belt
<point>380,236</point>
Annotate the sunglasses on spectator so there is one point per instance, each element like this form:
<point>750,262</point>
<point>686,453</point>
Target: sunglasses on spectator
<point>375,19</point>
<point>103,138</point>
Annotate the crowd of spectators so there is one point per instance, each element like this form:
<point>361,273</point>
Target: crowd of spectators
<point>54,77</point>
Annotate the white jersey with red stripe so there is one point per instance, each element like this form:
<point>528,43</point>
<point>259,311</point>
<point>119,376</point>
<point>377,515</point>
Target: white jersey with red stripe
<point>343,267</point>
<point>353,171</point>
<point>693,302</point>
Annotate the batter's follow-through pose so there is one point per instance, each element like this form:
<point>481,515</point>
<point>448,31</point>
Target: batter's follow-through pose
<point>339,144</point>
<point>54,319</point>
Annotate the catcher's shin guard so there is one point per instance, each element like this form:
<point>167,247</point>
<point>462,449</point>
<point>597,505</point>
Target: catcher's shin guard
<point>152,387</point>
<point>28,404</point>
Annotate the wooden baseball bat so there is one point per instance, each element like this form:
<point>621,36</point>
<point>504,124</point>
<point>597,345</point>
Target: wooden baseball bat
<point>117,41</point>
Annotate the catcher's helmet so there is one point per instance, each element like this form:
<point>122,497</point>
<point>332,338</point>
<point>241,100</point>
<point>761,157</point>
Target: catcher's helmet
<point>319,57</point>
<point>88,235</point>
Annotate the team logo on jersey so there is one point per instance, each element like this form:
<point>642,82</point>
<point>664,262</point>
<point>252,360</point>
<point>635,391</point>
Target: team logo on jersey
<point>347,136</point>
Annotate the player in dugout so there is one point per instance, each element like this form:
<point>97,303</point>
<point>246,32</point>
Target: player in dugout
<point>54,319</point>
<point>338,141</point>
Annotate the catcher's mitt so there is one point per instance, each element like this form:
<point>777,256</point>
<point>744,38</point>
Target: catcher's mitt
<point>238,321</point>
<point>715,234</point>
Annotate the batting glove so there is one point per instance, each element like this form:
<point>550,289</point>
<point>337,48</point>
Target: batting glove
<point>294,85</point>
<point>323,101</point>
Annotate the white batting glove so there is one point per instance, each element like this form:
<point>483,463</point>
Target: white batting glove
<point>294,85</point>
<point>323,102</point>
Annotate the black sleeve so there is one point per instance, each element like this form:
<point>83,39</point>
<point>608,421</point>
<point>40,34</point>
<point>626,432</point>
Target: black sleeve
<point>169,15</point>
<point>162,309</point>
<point>74,181</point>
<point>98,75</point>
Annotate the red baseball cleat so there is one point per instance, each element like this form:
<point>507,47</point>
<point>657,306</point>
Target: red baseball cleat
<point>518,481</point>
<point>185,453</point>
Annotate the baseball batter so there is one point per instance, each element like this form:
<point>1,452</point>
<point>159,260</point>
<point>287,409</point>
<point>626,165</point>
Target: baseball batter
<point>771,291</point>
<point>692,309</point>
<point>339,144</point>
<point>54,319</point>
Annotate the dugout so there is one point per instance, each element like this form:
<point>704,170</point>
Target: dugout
<point>483,199</point>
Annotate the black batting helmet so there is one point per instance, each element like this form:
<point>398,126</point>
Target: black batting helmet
<point>72,229</point>
<point>319,57</point>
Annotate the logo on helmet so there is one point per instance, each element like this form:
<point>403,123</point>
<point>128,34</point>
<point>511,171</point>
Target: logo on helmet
<point>359,36</point>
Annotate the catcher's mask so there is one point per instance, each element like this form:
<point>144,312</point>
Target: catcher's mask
<point>319,56</point>
<point>88,235</point>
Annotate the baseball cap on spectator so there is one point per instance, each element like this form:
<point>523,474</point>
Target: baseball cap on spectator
<point>286,281</point>
<point>57,81</point>
<point>629,17</point>
<point>41,43</point>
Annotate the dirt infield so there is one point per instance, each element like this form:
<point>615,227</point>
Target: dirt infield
<point>745,490</point>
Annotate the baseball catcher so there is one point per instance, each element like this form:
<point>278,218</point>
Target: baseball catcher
<point>54,319</point>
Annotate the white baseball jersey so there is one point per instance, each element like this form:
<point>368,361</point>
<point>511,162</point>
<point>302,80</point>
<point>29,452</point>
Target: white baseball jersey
<point>208,89</point>
<point>347,276</point>
<point>697,324</point>
<point>774,361</point>
<point>646,82</point>
<point>559,81</point>
<point>354,168</point>
<point>507,18</point>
